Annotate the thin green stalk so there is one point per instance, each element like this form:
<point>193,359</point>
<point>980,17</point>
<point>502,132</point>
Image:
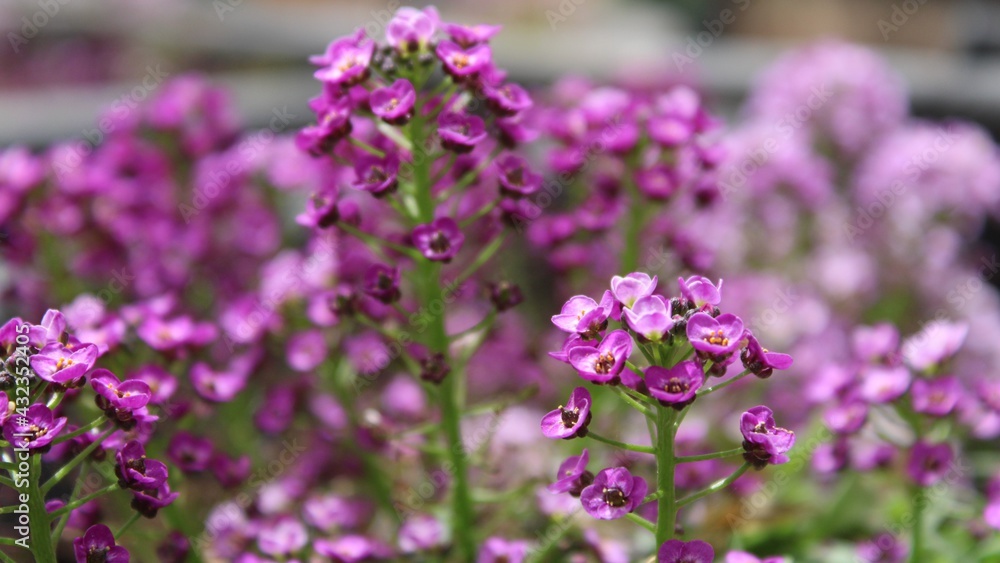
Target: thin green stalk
<point>375,243</point>
<point>714,455</point>
<point>483,257</point>
<point>80,431</point>
<point>479,213</point>
<point>666,520</point>
<point>366,147</point>
<point>61,525</point>
<point>724,384</point>
<point>917,536</point>
<point>484,323</point>
<point>633,231</point>
<point>4,557</point>
<point>80,458</point>
<point>714,487</point>
<point>127,525</point>
<point>41,532</point>
<point>82,501</point>
<point>641,521</point>
<point>622,445</point>
<point>632,402</point>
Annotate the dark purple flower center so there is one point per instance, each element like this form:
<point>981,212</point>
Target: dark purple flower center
<point>97,554</point>
<point>761,428</point>
<point>440,243</point>
<point>570,416</point>
<point>376,175</point>
<point>677,386</point>
<point>138,464</point>
<point>615,498</point>
<point>516,176</point>
<point>384,281</point>
<point>604,363</point>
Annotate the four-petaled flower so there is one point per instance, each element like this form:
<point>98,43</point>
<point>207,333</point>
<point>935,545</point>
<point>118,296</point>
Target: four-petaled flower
<point>97,545</point>
<point>439,240</point>
<point>677,386</point>
<point>614,493</point>
<point>677,551</point>
<point>715,337</point>
<point>765,443</point>
<point>603,363</point>
<point>569,421</point>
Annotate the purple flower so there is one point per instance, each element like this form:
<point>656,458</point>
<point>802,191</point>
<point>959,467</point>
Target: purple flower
<point>847,416</point>
<point>460,132</point>
<point>461,63</point>
<point>382,283</point>
<point>150,501</point>
<point>505,295</point>
<point>929,463</point>
<point>679,116</point>
<point>333,123</point>
<point>346,61</point>
<point>189,453</point>
<point>604,363</point>
<point>629,289</point>
<point>35,429</point>
<point>516,178</point>
<point>330,512</point>
<point>676,386</point>
<point>677,551</point>
<point>439,240</point>
<point>760,361</point>
<point>136,472</point>
<point>585,316</point>
<point>937,342</point>
<point>217,386</point>
<point>613,494</point>
<point>875,344</point>
<point>306,350</point>
<point>499,550</point>
<point>570,421</point>
<point>936,397</point>
<point>573,476</point>
<point>700,291</point>
<point>394,104</point>
<point>650,317</point>
<point>420,532</point>
<point>764,442</point>
<point>352,548</point>
<point>161,384</point>
<point>230,471</point>
<point>881,384</point>
<point>507,100</point>
<point>657,182</point>
<point>744,557</point>
<point>168,335</point>
<point>377,176</point>
<point>472,35</point>
<point>411,29</point>
<point>57,363</point>
<point>128,395</point>
<point>283,537</point>
<point>716,337</point>
<point>97,545</point>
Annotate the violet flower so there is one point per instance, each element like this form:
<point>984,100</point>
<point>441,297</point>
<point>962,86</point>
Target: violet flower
<point>650,317</point>
<point>377,176</point>
<point>217,386</point>
<point>128,395</point>
<point>439,240</point>
<point>581,314</point>
<point>394,104</point>
<point>150,501</point>
<point>744,557</point>
<point>419,533</point>
<point>507,100</point>
<point>677,386</point>
<point>717,337</point>
<point>462,63</point>
<point>471,35</point>
<point>57,363</point>
<point>516,177</point>
<point>935,397</point>
<point>97,545</point>
<point>760,361</point>
<point>613,494</point>
<point>573,476</point>
<point>764,442</point>
<point>352,548</point>
<point>929,463</point>
<point>136,472</point>
<point>677,551</point>
<point>700,291</point>
<point>629,289</point>
<point>282,537</point>
<point>603,363</point>
<point>382,283</point>
<point>305,350</point>
<point>881,384</point>
<point>499,550</point>
<point>34,430</point>
<point>189,453</point>
<point>937,342</point>
<point>411,29</point>
<point>570,421</point>
<point>460,132</point>
<point>347,62</point>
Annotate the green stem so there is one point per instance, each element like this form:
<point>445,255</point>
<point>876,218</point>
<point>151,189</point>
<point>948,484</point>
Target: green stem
<point>82,501</point>
<point>80,458</point>
<point>3,556</point>
<point>724,384</point>
<point>479,213</point>
<point>917,539</point>
<point>483,257</point>
<point>714,487</point>
<point>633,231</point>
<point>622,445</point>
<point>80,431</point>
<point>632,402</point>
<point>127,525</point>
<point>61,525</point>
<point>641,521</point>
<point>41,532</point>
<point>366,147</point>
<point>666,520</point>
<point>375,243</point>
<point>713,455</point>
<point>485,323</point>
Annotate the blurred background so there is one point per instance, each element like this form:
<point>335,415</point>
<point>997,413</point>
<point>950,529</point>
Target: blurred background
<point>64,61</point>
